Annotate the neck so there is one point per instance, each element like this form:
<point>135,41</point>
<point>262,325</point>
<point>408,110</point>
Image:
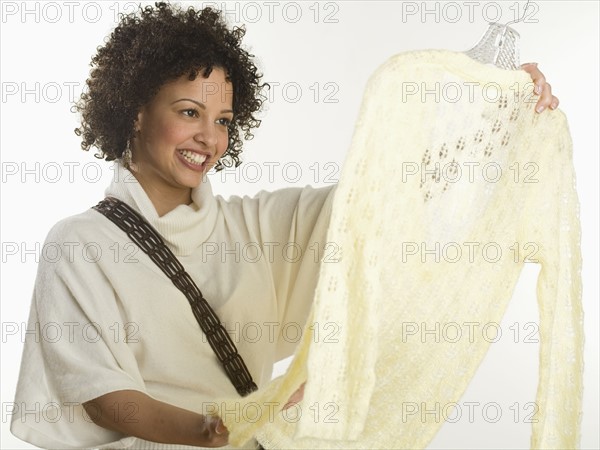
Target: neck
<point>165,197</point>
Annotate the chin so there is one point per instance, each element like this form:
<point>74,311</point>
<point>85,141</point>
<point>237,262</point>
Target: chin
<point>191,181</point>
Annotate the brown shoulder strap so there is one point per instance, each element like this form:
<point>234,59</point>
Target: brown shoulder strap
<point>150,241</point>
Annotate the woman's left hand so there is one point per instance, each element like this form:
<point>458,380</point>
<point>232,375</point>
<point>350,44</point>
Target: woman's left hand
<point>542,88</point>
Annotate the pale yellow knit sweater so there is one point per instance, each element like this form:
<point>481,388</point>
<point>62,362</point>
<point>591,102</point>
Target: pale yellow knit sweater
<point>426,249</point>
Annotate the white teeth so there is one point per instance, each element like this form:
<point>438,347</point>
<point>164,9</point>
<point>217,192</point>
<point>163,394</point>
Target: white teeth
<point>192,157</point>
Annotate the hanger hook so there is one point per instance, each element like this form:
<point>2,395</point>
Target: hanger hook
<point>524,12</point>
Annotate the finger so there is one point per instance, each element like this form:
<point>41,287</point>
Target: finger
<point>297,396</point>
<point>294,398</point>
<point>539,80</point>
<point>542,88</point>
<point>217,428</point>
<point>552,100</point>
<point>545,99</point>
<point>221,436</point>
<point>527,67</point>
<point>220,428</point>
<point>215,433</point>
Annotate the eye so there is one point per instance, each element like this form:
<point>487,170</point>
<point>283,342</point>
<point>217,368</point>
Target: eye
<point>224,121</point>
<point>190,112</point>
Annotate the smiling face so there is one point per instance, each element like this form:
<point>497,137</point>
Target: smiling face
<point>181,133</point>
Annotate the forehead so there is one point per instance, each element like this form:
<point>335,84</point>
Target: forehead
<point>213,89</point>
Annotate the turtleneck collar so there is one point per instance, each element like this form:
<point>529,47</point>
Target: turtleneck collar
<point>184,228</point>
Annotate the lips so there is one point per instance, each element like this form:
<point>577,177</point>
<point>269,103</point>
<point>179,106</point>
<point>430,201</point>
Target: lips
<point>194,158</point>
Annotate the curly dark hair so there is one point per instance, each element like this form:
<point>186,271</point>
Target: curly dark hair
<point>154,46</point>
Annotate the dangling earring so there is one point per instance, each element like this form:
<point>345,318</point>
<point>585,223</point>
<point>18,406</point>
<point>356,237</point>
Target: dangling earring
<point>127,156</point>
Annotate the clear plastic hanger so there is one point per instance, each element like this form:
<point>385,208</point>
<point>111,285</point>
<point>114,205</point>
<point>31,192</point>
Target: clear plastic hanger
<point>499,45</point>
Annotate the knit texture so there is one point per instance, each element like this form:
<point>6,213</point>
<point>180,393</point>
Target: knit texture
<point>452,183</point>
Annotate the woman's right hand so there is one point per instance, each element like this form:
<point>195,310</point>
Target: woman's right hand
<point>216,433</point>
<point>133,413</point>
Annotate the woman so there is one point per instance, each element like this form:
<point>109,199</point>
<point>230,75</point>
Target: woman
<point>168,96</point>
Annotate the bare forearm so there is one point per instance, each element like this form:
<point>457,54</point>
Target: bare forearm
<point>134,413</point>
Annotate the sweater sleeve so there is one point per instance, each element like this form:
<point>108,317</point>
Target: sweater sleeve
<point>293,225</point>
<point>554,209</point>
<point>70,354</point>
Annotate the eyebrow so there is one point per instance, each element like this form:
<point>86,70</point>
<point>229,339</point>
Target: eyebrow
<point>201,105</point>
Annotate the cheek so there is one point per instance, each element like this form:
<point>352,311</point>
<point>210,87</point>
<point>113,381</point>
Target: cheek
<point>167,132</point>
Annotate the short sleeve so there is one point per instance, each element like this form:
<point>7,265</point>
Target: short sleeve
<point>293,226</point>
<point>70,355</point>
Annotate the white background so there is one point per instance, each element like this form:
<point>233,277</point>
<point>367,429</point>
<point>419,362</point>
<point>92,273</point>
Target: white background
<point>342,46</point>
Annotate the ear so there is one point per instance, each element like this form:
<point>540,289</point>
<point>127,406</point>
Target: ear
<point>137,123</point>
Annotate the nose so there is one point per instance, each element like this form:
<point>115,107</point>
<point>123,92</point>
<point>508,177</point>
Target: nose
<point>206,133</point>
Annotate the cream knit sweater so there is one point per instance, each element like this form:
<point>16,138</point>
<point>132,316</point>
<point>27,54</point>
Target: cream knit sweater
<point>452,181</point>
